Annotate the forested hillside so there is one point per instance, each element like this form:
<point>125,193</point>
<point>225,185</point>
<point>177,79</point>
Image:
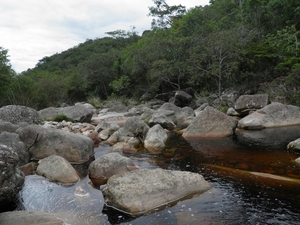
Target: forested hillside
<point>246,44</point>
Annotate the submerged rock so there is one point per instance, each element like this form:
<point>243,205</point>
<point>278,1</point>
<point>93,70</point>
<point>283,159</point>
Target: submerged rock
<point>80,204</point>
<point>141,191</point>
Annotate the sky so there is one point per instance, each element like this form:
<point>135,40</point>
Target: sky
<point>33,29</point>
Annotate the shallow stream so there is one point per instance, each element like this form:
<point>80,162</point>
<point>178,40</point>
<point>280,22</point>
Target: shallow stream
<point>251,185</point>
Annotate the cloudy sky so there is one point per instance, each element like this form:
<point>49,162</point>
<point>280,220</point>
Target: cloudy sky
<point>32,29</point>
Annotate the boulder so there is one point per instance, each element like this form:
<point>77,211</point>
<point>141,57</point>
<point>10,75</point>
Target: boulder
<point>246,103</point>
<point>182,99</point>
<point>109,118</point>
<point>11,178</point>
<point>57,169</point>
<point>29,218</point>
<point>8,126</point>
<point>155,139</point>
<point>141,191</point>
<point>273,115</point>
<point>169,107</point>
<point>232,112</point>
<point>118,107</point>
<point>277,137</point>
<point>165,118</point>
<point>210,123</point>
<point>48,113</point>
<point>146,116</point>
<point>16,114</point>
<point>43,142</point>
<point>12,140</point>
<point>294,145</point>
<point>124,147</point>
<point>78,113</point>
<point>108,165</point>
<point>184,117</point>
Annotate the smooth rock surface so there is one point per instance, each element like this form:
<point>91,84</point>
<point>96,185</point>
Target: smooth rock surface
<point>140,191</point>
<point>57,169</point>
<point>155,139</point>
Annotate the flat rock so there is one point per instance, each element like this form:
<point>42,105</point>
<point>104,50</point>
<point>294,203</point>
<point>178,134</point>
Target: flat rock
<point>141,191</point>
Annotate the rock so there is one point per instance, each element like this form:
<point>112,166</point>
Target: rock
<point>8,126</point>
<point>155,139</point>
<point>169,107</point>
<point>231,112</point>
<point>277,137</point>
<point>273,115</point>
<point>11,178</point>
<point>57,169</point>
<point>16,114</point>
<point>95,138</point>
<point>78,113</point>
<point>79,204</point>
<point>141,191</point>
<point>44,142</point>
<point>165,118</point>
<point>13,141</point>
<point>251,102</point>
<point>182,99</point>
<point>118,108</point>
<point>229,97</point>
<point>124,147</point>
<point>297,160</point>
<point>184,117</point>
<point>29,218</point>
<point>108,165</point>
<point>294,145</point>
<point>109,118</point>
<point>146,116</point>
<point>48,113</point>
<point>210,123</point>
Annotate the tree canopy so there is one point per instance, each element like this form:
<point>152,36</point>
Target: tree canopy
<point>228,43</point>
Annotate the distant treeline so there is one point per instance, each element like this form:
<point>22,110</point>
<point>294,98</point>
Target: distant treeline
<point>228,43</point>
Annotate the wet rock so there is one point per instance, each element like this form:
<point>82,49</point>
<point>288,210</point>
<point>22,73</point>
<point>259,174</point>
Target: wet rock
<point>294,145</point>
<point>155,139</point>
<point>165,118</point>
<point>108,165</point>
<point>79,204</point>
<point>12,140</point>
<point>124,147</point>
<point>11,178</point>
<point>57,169</point>
<point>44,142</point>
<point>141,191</point>
<point>29,218</point>
<point>16,114</point>
<point>251,102</point>
<point>210,123</point>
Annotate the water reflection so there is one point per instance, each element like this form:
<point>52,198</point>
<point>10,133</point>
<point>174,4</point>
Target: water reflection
<point>237,197</point>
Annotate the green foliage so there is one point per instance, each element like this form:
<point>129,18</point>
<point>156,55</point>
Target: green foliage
<point>60,118</point>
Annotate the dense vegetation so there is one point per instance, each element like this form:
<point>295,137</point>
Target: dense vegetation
<point>247,44</point>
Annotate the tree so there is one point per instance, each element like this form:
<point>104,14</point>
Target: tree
<point>166,14</point>
<point>6,74</point>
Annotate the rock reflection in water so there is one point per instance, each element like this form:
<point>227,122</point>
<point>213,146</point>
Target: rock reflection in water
<point>79,204</point>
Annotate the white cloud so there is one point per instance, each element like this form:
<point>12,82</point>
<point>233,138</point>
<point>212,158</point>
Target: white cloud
<point>33,29</point>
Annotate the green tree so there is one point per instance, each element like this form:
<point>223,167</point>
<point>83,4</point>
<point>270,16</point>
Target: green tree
<point>6,74</point>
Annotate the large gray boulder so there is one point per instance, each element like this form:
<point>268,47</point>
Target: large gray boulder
<point>29,218</point>
<point>78,113</point>
<point>108,165</point>
<point>294,146</point>
<point>272,126</point>
<point>57,169</point>
<point>246,103</point>
<point>155,139</point>
<point>141,191</point>
<point>11,178</point>
<point>165,118</point>
<point>274,115</point>
<point>16,114</point>
<point>43,142</point>
<point>210,123</point>
<point>13,141</point>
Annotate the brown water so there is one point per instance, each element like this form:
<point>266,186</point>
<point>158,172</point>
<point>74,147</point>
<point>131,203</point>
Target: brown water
<point>239,196</point>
